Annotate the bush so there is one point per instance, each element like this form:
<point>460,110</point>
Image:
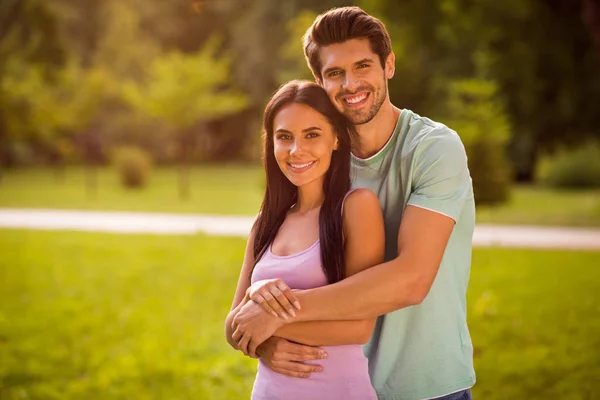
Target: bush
<point>475,112</point>
<point>490,172</point>
<point>572,168</point>
<point>133,165</point>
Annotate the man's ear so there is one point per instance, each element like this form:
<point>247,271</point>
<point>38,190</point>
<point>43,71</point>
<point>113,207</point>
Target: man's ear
<point>390,65</point>
<point>318,80</point>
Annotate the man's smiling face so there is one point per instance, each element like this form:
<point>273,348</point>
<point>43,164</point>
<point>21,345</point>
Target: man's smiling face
<point>354,79</point>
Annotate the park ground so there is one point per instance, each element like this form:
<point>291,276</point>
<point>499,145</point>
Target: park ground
<point>109,316</point>
<point>238,189</point>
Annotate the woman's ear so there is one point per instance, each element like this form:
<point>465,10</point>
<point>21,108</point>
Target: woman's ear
<point>336,145</point>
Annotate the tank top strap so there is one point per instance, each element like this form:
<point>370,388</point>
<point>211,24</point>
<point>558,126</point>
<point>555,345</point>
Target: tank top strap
<point>344,199</point>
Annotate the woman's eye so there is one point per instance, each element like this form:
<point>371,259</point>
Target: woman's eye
<point>312,135</point>
<point>283,137</point>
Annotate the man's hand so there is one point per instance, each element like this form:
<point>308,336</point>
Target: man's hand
<point>287,358</point>
<point>252,325</point>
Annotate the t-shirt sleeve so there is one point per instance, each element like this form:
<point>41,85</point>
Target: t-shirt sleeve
<point>440,175</point>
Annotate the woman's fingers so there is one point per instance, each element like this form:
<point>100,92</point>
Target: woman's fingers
<point>287,292</point>
<point>260,300</point>
<point>283,301</point>
<point>270,301</point>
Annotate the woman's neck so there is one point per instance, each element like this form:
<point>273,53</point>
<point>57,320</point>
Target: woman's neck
<point>310,197</point>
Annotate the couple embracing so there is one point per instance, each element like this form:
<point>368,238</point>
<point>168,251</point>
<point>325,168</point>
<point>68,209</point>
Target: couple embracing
<point>354,280</point>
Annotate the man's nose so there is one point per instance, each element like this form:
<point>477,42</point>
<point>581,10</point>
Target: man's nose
<point>351,83</point>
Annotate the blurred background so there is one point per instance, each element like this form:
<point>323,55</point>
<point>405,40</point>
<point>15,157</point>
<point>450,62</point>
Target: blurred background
<point>156,106</point>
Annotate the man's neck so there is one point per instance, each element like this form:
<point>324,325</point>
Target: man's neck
<point>373,135</point>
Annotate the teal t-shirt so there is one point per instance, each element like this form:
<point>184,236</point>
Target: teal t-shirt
<point>424,351</point>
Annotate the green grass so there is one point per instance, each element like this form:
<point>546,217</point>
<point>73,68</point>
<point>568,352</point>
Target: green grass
<point>530,205</point>
<point>238,190</point>
<point>100,316</point>
<point>216,189</point>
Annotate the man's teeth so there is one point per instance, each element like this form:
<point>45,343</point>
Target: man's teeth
<point>356,99</point>
<point>301,165</point>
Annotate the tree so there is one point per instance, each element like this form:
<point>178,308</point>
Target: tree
<point>51,105</point>
<point>182,91</point>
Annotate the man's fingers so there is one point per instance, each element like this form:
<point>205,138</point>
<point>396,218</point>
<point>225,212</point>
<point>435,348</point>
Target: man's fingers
<point>293,374</point>
<point>237,335</point>
<point>252,349</point>
<point>305,352</point>
<point>299,367</point>
<point>243,344</point>
<point>307,356</point>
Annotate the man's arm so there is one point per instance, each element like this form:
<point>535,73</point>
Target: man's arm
<point>441,187</point>
<point>399,283</point>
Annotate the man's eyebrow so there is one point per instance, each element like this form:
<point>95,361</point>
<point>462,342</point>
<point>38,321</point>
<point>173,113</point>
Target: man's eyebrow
<point>364,60</point>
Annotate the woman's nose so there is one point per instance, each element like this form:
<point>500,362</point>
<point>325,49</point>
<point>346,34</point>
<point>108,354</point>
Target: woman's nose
<point>296,147</point>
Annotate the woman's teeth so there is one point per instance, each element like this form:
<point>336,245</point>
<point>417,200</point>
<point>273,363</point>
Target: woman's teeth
<point>299,166</point>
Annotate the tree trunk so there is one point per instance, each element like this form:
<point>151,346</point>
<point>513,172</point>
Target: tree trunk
<point>185,147</point>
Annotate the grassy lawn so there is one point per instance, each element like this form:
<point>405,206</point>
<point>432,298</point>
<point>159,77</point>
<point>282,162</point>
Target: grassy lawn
<point>219,189</point>
<point>99,316</point>
<point>237,189</point>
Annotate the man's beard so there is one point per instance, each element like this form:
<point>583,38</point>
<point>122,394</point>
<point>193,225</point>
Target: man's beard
<point>359,117</point>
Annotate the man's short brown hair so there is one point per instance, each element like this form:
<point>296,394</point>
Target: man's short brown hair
<point>339,25</point>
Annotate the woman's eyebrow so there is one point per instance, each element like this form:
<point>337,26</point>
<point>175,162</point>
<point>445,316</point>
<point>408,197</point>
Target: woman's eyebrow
<point>312,128</point>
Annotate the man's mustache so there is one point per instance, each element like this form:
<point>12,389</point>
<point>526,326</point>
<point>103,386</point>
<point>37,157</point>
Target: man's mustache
<point>350,93</point>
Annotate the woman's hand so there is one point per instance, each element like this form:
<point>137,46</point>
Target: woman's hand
<point>275,297</point>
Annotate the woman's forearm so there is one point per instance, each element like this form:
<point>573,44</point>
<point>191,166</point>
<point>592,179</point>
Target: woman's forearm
<point>328,333</point>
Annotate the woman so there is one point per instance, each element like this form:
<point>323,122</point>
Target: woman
<point>312,230</point>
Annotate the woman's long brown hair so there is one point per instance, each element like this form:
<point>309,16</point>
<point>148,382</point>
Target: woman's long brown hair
<point>281,194</point>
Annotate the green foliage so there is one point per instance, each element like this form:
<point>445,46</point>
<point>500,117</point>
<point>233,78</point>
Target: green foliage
<point>540,55</point>
<point>184,89</point>
<point>477,114</point>
<point>575,168</point>
<point>292,53</point>
<point>141,317</point>
<point>50,103</point>
<point>133,165</point>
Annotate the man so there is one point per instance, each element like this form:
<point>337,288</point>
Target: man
<point>420,348</point>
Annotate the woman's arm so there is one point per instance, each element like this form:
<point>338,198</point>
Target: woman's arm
<point>240,298</point>
<point>364,247</point>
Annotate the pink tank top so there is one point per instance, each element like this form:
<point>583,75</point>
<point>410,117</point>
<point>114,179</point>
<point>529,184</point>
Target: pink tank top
<point>345,372</point>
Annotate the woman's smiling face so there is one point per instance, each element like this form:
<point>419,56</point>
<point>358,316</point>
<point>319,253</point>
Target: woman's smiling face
<point>303,142</point>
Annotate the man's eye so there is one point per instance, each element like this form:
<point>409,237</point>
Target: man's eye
<point>333,74</point>
<point>363,66</point>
